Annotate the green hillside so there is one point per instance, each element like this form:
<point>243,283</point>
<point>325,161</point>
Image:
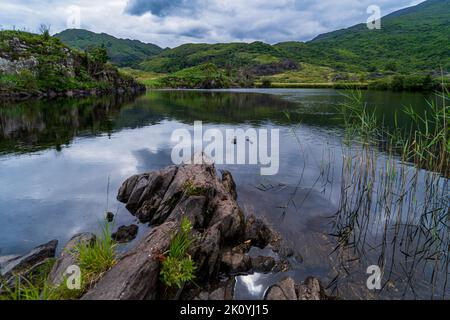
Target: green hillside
<point>410,40</point>
<point>123,52</point>
<point>413,40</point>
<point>223,55</point>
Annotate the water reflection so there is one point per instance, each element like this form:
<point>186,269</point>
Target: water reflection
<point>57,158</point>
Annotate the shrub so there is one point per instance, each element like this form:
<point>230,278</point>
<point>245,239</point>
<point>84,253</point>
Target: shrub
<point>177,266</point>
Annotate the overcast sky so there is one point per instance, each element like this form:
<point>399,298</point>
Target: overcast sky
<point>169,23</point>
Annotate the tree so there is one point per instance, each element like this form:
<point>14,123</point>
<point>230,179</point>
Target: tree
<point>44,30</point>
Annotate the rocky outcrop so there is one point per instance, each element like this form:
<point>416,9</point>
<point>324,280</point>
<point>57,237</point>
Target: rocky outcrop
<point>44,67</point>
<point>162,198</point>
<point>287,289</point>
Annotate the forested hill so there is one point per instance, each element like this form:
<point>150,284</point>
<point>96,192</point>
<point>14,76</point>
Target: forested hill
<point>122,52</point>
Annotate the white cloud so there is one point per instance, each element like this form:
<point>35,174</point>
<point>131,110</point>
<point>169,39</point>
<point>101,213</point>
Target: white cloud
<point>173,22</point>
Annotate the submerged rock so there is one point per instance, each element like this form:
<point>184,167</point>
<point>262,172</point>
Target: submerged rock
<point>125,233</point>
<point>258,232</point>
<point>109,216</point>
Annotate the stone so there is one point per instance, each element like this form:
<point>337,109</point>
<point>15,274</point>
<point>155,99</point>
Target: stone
<point>24,264</point>
<point>136,274</point>
<point>125,233</point>
<point>257,232</point>
<point>287,289</point>
<point>68,258</point>
<point>236,263</point>
<point>311,289</point>
<point>109,216</point>
<point>284,290</point>
<point>263,264</point>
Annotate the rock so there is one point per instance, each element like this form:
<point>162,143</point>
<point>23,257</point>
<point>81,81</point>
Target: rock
<point>125,233</point>
<point>263,264</point>
<point>109,216</point>
<point>284,290</point>
<point>224,292</point>
<point>257,232</point>
<point>136,274</point>
<point>310,289</point>
<point>230,185</point>
<point>24,264</point>
<point>236,263</point>
<point>67,257</point>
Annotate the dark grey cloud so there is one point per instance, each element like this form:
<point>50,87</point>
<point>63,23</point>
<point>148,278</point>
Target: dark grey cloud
<point>160,8</point>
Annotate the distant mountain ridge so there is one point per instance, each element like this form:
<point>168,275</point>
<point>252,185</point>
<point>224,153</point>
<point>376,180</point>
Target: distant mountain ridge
<point>412,40</point>
<point>415,39</point>
<point>123,52</point>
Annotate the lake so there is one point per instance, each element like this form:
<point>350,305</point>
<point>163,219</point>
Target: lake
<point>62,162</point>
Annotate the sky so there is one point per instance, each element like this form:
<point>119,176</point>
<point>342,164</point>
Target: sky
<point>169,23</point>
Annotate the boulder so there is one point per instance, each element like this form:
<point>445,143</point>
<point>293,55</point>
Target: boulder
<point>125,233</point>
<point>258,232</point>
<point>67,257</point>
<point>284,290</point>
<point>135,276</point>
<point>236,263</point>
<point>263,264</point>
<point>23,264</point>
<point>287,289</point>
<point>163,198</point>
<point>311,289</point>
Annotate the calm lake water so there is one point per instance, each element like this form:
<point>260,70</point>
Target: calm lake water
<point>62,162</point>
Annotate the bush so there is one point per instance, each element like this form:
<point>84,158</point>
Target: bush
<point>177,266</point>
<point>266,83</point>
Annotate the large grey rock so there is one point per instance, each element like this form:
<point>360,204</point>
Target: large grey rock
<point>311,289</point>
<point>24,264</point>
<point>284,290</point>
<point>287,289</point>
<point>68,257</point>
<point>135,276</point>
<point>163,198</point>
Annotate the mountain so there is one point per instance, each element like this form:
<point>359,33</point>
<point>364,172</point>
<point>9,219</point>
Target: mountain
<point>411,40</point>
<point>223,55</point>
<point>122,52</point>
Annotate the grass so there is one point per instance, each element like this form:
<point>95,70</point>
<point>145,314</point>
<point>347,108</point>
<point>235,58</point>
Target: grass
<point>385,191</point>
<point>97,258</point>
<point>147,78</point>
<point>93,259</point>
<point>178,267</point>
